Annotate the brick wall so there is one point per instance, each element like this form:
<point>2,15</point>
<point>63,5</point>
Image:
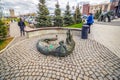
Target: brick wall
<point>86,9</point>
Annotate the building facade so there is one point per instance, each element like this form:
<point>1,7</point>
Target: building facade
<point>85,8</point>
<point>95,8</point>
<point>113,5</point>
<point>12,13</point>
<point>104,7</point>
<point>118,9</point>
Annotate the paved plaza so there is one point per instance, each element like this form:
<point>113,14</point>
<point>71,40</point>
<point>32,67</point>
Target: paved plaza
<point>108,35</point>
<point>92,59</point>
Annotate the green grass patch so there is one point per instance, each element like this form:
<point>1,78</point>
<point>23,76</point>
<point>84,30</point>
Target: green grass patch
<point>75,25</point>
<point>4,43</point>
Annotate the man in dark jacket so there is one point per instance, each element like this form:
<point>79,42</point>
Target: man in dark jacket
<point>90,20</point>
<point>21,24</point>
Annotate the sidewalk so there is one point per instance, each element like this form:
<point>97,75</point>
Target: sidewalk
<point>108,35</point>
<point>15,32</point>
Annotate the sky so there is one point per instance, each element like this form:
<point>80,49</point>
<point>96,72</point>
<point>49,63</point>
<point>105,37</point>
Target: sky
<point>30,6</point>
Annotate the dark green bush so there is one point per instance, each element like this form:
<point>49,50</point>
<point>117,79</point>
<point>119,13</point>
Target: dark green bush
<point>3,30</point>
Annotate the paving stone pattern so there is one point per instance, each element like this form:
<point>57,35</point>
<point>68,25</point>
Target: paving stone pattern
<point>89,61</point>
<point>107,35</point>
<point>17,40</point>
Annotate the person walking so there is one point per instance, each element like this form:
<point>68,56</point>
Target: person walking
<point>21,24</point>
<point>90,20</point>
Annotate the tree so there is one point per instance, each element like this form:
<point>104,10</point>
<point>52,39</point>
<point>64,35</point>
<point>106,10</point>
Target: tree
<point>58,21</point>
<point>98,13</point>
<point>68,20</point>
<point>43,19</point>
<point>0,9</point>
<point>77,15</point>
<point>3,30</point>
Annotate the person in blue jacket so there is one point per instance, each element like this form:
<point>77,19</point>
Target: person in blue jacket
<point>21,24</point>
<point>90,20</point>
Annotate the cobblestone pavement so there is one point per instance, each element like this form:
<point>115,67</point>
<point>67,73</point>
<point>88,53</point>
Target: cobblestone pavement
<point>15,32</point>
<point>89,61</point>
<point>108,35</point>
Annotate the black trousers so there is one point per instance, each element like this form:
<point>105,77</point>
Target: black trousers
<point>22,31</point>
<point>89,27</point>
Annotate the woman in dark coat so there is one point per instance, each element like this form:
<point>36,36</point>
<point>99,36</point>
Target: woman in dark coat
<point>21,24</point>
